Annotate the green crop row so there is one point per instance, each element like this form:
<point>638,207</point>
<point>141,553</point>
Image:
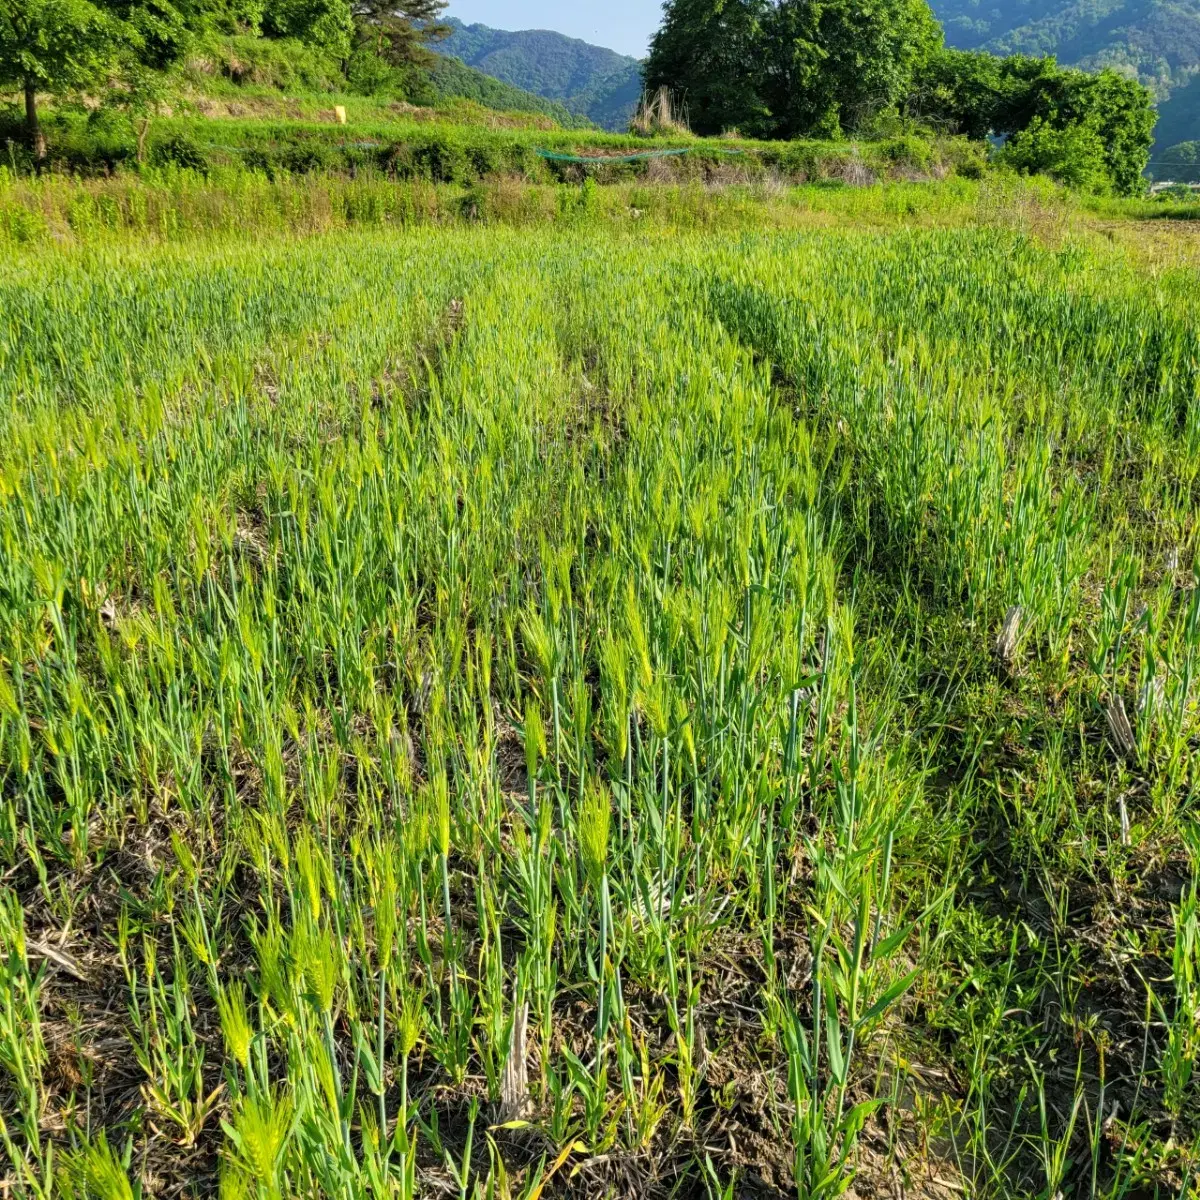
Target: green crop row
<point>175,204</point>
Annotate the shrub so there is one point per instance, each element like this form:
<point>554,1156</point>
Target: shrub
<point>178,150</point>
<point>1074,156</point>
<point>977,94</point>
<point>111,133</point>
<point>908,151</point>
<point>369,75</point>
<point>304,157</point>
<point>283,63</point>
<point>441,161</point>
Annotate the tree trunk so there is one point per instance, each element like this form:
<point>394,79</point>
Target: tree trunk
<point>141,140</point>
<point>33,127</point>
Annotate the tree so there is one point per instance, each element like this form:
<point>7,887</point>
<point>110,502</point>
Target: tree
<point>790,68</point>
<point>959,91</point>
<point>708,53</point>
<point>54,46</point>
<point>234,16</point>
<point>398,32</point>
<point>155,36</point>
<point>118,50</point>
<point>833,65</point>
<point>326,24</point>
<point>1118,110</point>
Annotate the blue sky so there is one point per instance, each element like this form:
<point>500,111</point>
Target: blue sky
<point>624,25</point>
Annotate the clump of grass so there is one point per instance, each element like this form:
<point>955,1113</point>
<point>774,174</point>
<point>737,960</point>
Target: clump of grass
<point>659,113</point>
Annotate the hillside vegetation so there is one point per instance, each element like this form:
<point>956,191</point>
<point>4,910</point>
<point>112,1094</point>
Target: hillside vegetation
<point>450,79</point>
<point>1178,118</point>
<point>123,65</point>
<point>107,82</point>
<point>251,68</point>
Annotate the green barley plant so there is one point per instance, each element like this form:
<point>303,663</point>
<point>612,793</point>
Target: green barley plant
<point>258,1134</point>
<point>1180,1056</point>
<point>23,1056</point>
<point>595,815</point>
<point>166,1046</point>
<point>97,1171</point>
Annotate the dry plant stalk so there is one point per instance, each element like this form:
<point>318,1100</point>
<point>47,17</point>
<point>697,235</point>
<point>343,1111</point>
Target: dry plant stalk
<point>514,1086</point>
<point>1010,632</point>
<point>1119,727</point>
<point>659,113</point>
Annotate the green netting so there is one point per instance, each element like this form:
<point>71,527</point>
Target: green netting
<point>554,156</point>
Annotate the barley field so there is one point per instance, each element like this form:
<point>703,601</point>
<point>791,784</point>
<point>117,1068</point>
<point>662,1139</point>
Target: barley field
<point>527,713</point>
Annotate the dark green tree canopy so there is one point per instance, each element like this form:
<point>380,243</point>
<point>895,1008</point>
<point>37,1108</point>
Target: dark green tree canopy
<point>326,24</point>
<point>53,45</point>
<point>834,65</point>
<point>978,94</point>
<point>790,68</point>
<point>398,32</point>
<point>709,53</point>
<point>59,46</point>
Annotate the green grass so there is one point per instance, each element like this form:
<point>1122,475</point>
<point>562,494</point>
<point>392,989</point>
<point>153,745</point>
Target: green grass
<point>173,205</point>
<point>527,712</point>
<point>169,204</point>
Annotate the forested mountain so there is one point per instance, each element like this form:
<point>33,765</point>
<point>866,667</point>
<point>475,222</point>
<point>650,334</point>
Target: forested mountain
<point>589,80</point>
<point>1157,39</point>
<point>1179,117</point>
<point>450,79</point>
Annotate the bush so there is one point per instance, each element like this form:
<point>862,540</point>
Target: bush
<point>178,150</point>
<point>282,63</point>
<point>80,142</point>
<point>1074,156</point>
<point>909,151</point>
<point>369,75</point>
<point>111,133</point>
<point>578,203</point>
<point>1049,113</point>
<point>305,157</point>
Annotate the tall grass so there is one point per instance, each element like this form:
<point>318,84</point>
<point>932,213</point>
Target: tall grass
<point>524,712</point>
<point>179,205</point>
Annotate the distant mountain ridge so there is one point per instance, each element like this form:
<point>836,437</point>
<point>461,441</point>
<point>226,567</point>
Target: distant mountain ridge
<point>588,80</point>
